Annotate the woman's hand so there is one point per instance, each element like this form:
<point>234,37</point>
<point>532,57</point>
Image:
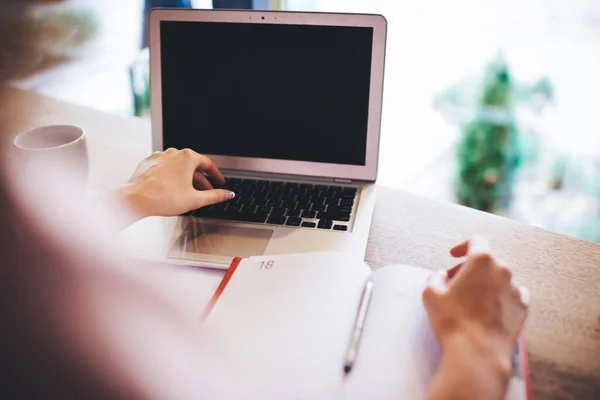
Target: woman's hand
<point>172,183</point>
<point>476,312</point>
<point>481,298</point>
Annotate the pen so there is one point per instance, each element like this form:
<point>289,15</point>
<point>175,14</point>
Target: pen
<point>358,327</point>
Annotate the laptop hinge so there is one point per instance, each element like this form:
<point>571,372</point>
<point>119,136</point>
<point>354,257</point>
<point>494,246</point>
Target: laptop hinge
<point>342,180</point>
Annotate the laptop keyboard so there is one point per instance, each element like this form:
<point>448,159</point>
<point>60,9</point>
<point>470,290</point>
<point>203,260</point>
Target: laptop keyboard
<point>284,203</point>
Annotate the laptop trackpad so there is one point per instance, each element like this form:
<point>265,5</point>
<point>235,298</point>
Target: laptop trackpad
<point>220,240</point>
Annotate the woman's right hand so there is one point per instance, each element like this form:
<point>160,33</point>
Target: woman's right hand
<point>172,182</point>
<point>480,304</point>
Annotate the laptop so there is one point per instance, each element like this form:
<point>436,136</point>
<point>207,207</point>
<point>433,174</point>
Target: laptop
<point>288,106</point>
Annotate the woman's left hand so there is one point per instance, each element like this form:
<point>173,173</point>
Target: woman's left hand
<point>172,182</point>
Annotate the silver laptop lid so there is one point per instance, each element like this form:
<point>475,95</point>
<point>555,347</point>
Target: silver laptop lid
<point>276,92</point>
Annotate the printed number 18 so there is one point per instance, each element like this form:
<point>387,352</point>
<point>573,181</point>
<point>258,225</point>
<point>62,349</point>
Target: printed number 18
<point>267,264</point>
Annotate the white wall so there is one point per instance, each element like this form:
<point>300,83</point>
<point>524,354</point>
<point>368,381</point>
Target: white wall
<point>206,4</point>
<point>301,5</point>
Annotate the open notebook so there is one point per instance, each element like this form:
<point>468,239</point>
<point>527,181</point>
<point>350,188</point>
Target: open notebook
<point>282,326</point>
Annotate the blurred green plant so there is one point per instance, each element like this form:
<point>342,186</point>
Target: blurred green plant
<point>489,151</point>
<point>140,84</point>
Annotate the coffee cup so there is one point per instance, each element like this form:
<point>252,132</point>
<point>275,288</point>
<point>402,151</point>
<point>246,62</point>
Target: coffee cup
<point>54,146</point>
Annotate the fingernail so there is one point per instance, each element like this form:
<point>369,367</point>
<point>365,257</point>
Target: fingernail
<point>452,271</point>
<point>231,195</point>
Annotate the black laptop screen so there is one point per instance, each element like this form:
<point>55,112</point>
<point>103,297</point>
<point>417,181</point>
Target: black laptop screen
<point>288,92</point>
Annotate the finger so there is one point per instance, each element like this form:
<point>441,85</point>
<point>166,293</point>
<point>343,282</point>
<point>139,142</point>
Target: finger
<point>212,171</point>
<point>505,273</point>
<point>436,286</point>
<point>479,261</point>
<point>205,164</point>
<point>200,181</point>
<point>438,282</point>
<point>521,292</point>
<point>454,270</point>
<point>460,250</point>
<point>476,244</point>
<point>209,197</point>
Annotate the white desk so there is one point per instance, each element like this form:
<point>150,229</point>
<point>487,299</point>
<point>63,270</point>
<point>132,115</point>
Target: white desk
<point>563,273</point>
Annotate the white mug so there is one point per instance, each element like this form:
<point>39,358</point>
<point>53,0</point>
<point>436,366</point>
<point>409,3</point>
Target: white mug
<point>60,146</point>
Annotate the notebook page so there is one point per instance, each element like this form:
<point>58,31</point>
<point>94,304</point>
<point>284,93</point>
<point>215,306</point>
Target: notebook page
<point>281,329</point>
<point>399,354</point>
